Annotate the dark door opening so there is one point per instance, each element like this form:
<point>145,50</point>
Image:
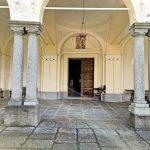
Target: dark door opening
<point>81,77</point>
<point>74,77</point>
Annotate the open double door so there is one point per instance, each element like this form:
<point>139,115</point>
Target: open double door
<point>81,77</point>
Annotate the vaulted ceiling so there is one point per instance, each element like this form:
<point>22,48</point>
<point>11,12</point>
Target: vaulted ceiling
<point>74,18</point>
<point>111,26</point>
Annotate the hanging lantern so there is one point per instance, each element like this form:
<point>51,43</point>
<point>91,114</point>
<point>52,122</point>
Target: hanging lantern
<point>81,37</point>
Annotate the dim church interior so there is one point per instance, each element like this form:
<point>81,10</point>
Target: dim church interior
<point>57,70</point>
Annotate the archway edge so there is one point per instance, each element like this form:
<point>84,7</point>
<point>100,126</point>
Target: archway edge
<point>34,11</point>
<point>132,15</point>
<point>129,4</point>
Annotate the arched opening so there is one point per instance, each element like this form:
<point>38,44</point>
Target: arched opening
<point>128,3</point>
<point>5,58</point>
<point>81,69</point>
<point>109,27</point>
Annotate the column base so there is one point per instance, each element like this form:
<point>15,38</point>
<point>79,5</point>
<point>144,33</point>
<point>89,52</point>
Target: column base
<point>139,117</point>
<point>28,102</point>
<point>143,105</point>
<point>22,116</point>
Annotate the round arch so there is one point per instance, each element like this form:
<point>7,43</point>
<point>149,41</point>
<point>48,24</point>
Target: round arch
<point>8,44</point>
<point>67,37</point>
<point>128,3</point>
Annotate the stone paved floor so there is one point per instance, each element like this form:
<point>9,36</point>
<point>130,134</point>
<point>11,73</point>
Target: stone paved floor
<point>76,125</point>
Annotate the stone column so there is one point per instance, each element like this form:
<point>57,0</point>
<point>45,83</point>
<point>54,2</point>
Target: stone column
<point>32,69</point>
<point>17,68</point>
<point>139,110</point>
<point>139,87</point>
<point>149,63</point>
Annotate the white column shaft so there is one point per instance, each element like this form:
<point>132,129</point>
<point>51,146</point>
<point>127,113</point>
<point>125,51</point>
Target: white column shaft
<point>17,69</point>
<point>32,70</point>
<point>149,65</point>
<point>139,88</point>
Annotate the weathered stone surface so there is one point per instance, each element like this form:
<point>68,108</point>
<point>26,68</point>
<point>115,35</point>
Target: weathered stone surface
<point>89,146</point>
<point>144,134</point>
<point>66,135</point>
<point>22,115</point>
<point>65,147</point>
<point>44,133</point>
<point>114,148</point>
<point>21,129</point>
<point>129,135</point>
<point>11,141</point>
<point>33,143</point>
<point>111,141</point>
<point>109,131</point>
<point>86,135</point>
<point>138,145</point>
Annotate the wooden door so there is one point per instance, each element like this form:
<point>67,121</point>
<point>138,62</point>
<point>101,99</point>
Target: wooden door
<point>87,77</point>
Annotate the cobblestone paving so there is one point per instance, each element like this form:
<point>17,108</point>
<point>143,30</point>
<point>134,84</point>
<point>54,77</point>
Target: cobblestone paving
<point>76,125</point>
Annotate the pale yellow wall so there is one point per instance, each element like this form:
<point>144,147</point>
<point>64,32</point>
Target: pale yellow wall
<point>0,66</point>
<point>7,78</point>
<point>2,71</point>
<point>113,74</point>
<point>49,73</point>
<point>50,70</point>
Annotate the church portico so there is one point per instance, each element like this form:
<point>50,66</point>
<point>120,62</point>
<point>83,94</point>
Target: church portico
<point>54,58</point>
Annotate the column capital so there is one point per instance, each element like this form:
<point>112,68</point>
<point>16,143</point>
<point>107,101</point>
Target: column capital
<point>16,28</point>
<point>139,29</point>
<point>26,27</point>
<point>148,34</point>
<point>34,28</point>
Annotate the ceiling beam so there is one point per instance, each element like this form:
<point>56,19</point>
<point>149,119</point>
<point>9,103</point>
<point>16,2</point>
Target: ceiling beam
<point>4,7</point>
<point>77,8</point>
<point>81,8</point>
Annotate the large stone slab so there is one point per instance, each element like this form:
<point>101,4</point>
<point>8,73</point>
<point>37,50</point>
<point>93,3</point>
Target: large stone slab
<point>22,115</point>
<point>113,97</point>
<point>139,122</point>
<point>139,117</point>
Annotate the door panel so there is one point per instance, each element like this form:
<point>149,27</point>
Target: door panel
<point>87,77</point>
